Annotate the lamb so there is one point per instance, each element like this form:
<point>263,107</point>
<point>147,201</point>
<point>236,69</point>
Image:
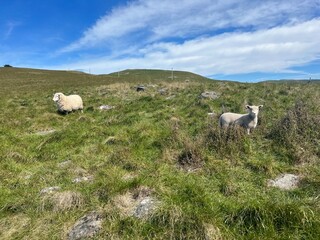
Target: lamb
<point>69,103</point>
<point>248,121</point>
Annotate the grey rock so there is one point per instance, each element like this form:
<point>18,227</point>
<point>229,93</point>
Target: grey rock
<point>88,226</point>
<point>144,208</point>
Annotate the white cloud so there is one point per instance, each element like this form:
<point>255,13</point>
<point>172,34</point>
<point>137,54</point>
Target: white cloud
<point>210,37</point>
<point>156,20</point>
<point>270,50</point>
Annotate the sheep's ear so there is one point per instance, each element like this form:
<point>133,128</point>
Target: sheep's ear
<point>260,106</point>
<point>248,107</point>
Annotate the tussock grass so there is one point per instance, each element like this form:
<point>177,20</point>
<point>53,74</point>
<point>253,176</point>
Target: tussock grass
<point>61,201</point>
<point>299,132</point>
<point>229,143</point>
<point>210,183</point>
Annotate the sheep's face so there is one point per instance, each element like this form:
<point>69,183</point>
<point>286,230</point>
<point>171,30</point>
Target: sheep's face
<point>254,110</point>
<point>56,97</point>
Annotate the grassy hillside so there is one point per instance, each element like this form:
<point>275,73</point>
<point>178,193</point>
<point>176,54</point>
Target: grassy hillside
<point>160,143</point>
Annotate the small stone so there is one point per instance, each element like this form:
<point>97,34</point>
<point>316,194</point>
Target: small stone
<point>106,107</point>
<point>140,88</point>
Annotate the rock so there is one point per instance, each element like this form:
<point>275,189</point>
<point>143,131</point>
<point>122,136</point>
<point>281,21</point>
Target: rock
<point>211,95</point>
<point>106,107</point>
<point>140,88</point>
<point>145,206</point>
<point>49,190</point>
<point>88,226</point>
<point>285,182</point>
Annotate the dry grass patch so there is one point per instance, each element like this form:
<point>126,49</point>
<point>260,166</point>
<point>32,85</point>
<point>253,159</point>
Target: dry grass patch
<point>212,232</point>
<point>12,225</point>
<point>62,201</point>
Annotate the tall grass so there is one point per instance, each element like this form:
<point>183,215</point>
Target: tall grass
<point>299,132</point>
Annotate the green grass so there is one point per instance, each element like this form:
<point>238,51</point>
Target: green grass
<point>211,184</point>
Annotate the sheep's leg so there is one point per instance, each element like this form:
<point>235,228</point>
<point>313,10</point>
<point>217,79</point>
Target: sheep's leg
<point>248,131</point>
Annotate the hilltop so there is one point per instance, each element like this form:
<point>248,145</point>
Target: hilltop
<point>28,79</point>
<point>155,165</point>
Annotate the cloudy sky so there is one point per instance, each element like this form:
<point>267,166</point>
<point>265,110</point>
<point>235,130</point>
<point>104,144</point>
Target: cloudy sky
<point>244,40</point>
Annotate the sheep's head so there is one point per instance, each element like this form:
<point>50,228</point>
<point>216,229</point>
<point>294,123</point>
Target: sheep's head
<point>57,96</point>
<point>254,110</point>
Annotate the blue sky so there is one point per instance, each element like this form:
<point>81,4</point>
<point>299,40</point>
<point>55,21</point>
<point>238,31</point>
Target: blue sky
<point>248,40</point>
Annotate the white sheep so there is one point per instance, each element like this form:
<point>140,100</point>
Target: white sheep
<point>248,121</point>
<point>68,103</point>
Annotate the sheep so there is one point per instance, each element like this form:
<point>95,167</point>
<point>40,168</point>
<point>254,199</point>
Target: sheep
<point>248,121</point>
<point>69,103</point>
